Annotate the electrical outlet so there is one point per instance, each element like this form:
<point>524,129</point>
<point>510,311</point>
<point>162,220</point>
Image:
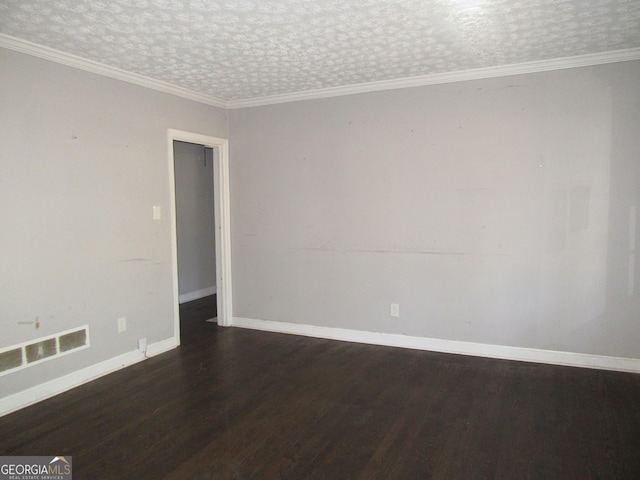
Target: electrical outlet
<point>122,324</point>
<point>142,345</point>
<point>395,310</point>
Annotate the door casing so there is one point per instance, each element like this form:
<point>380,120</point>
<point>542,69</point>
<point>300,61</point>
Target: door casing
<point>222,224</point>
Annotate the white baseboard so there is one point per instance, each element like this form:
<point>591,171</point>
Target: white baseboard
<point>190,296</point>
<point>162,346</point>
<point>447,346</point>
<point>54,387</point>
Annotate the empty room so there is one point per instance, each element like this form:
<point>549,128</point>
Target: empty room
<point>305,239</point>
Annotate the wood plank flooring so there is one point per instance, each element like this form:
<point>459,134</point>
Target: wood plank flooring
<point>239,404</point>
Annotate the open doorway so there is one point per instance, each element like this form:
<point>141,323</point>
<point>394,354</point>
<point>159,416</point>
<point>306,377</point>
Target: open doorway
<point>205,272</point>
<point>195,226</point>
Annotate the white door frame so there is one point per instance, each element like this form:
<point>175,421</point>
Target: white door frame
<point>222,224</point>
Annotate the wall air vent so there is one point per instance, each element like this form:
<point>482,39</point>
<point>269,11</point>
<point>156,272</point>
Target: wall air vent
<point>23,355</point>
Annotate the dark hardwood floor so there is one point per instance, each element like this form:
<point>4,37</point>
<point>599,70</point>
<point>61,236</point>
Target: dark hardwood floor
<point>239,404</point>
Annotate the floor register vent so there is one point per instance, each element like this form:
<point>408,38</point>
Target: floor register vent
<point>23,355</point>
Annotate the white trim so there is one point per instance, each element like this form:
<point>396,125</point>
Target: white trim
<point>222,223</point>
<point>23,46</point>
<point>447,346</point>
<point>222,206</point>
<point>49,389</point>
<point>449,77</point>
<point>58,56</point>
<point>197,294</point>
<point>161,347</point>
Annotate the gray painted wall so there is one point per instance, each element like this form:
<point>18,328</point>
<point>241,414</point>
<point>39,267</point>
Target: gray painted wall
<point>195,217</point>
<point>494,211</point>
<point>84,158</point>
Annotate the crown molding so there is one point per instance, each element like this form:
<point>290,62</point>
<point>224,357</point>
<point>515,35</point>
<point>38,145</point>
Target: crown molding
<point>51,54</point>
<point>438,78</point>
<point>24,46</point>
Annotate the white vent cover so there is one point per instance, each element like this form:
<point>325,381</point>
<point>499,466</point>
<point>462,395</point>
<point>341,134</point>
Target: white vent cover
<point>23,355</point>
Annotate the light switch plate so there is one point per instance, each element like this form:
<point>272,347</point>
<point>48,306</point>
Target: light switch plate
<point>122,324</point>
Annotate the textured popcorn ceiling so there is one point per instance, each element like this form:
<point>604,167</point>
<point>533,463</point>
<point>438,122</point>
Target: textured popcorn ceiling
<point>239,49</point>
